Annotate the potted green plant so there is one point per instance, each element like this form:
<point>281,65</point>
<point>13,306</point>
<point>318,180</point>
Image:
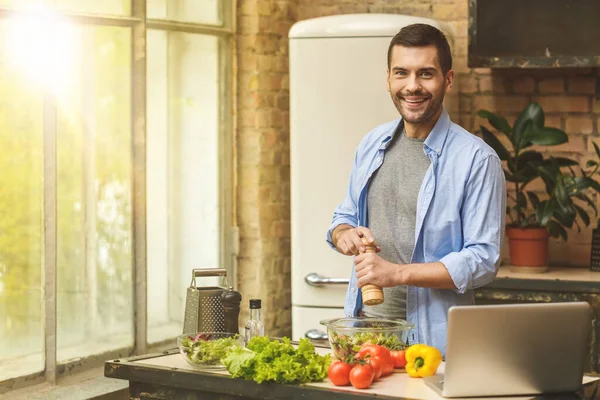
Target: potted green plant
<point>531,219</point>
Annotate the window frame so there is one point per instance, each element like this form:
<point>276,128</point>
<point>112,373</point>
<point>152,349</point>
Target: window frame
<point>139,24</point>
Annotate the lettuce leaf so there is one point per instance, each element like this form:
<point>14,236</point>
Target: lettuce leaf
<point>208,352</point>
<point>273,361</point>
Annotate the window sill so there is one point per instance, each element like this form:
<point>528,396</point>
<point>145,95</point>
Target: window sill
<point>86,385</point>
<point>24,373</point>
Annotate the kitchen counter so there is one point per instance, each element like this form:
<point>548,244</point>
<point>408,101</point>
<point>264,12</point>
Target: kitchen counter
<point>168,376</point>
<point>554,277</point>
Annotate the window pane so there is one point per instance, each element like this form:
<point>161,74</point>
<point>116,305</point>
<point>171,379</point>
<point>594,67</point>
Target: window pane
<point>198,11</point>
<point>21,199</point>
<point>95,300</point>
<point>24,3</point>
<point>108,7</point>
<point>182,172</point>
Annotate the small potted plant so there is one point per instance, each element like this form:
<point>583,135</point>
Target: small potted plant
<point>531,219</point>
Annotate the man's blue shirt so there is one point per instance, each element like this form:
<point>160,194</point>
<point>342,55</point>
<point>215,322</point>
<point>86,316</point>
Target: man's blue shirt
<point>460,220</point>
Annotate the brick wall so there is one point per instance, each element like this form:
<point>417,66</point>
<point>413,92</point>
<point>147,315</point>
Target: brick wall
<point>567,95</point>
<point>263,167</point>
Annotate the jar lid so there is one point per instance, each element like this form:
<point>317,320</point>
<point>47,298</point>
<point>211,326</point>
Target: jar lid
<point>254,303</point>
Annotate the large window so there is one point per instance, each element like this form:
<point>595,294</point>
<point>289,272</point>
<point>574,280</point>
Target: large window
<point>115,137</point>
<point>183,119</point>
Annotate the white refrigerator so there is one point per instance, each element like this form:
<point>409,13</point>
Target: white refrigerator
<point>337,95</point>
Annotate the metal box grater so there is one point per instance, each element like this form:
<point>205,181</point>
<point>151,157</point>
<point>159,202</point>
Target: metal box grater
<point>204,310</point>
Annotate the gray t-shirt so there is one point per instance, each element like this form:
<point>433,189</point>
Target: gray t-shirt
<point>392,212</point>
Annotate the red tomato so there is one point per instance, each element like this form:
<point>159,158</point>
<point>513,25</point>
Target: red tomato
<point>377,364</point>
<point>375,350</point>
<point>388,368</point>
<point>339,373</point>
<point>361,376</point>
<point>399,357</point>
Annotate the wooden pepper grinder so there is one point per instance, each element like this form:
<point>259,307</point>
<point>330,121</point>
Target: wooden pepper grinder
<point>231,307</point>
<point>372,294</point>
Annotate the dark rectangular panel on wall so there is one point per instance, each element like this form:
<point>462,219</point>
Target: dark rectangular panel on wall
<point>534,33</point>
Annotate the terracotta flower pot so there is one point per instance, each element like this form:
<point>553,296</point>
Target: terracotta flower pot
<point>528,246</point>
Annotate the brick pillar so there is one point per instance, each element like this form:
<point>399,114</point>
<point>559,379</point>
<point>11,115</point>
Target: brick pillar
<point>263,198</point>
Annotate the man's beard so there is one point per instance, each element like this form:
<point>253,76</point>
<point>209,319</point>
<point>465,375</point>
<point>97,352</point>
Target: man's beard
<point>427,114</point>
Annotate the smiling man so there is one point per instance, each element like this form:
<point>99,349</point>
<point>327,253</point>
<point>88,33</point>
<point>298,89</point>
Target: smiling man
<point>428,193</point>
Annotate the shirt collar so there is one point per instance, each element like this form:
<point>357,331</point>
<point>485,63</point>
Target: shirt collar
<point>435,140</point>
<point>387,138</point>
<point>437,137</point>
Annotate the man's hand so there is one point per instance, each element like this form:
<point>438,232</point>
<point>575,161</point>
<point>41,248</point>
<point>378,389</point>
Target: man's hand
<point>371,268</point>
<point>348,239</point>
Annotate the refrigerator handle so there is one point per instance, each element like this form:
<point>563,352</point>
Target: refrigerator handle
<point>315,334</point>
<point>314,279</point>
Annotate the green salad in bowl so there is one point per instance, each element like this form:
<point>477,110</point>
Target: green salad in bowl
<point>206,350</point>
<point>347,335</point>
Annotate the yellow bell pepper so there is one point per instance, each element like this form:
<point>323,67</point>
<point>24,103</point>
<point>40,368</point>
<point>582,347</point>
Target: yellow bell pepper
<point>422,360</point>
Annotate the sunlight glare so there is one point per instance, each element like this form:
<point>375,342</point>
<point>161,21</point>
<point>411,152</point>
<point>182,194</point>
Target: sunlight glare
<point>40,45</point>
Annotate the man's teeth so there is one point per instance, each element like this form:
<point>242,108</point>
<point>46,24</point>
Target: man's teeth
<point>415,101</point>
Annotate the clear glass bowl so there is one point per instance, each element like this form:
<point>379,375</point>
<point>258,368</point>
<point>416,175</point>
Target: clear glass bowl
<point>204,350</point>
<point>347,335</point>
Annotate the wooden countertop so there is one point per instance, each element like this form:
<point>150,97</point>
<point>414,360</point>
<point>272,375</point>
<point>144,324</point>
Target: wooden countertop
<point>554,279</point>
<point>171,369</point>
<point>553,273</point>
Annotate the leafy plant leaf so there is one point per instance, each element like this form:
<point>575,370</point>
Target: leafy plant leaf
<point>561,193</point>
<point>530,156</point>
<point>527,161</point>
<point>524,221</point>
<point>533,199</point>
<point>597,149</point>
<point>544,136</point>
<point>548,175</point>
<point>533,112</point>
<point>563,161</point>
<point>556,230</point>
<point>531,115</point>
<point>582,214</point>
<point>565,215</point>
<point>521,200</point>
<point>585,198</point>
<point>520,140</point>
<point>495,143</point>
<point>544,212</point>
<point>509,177</point>
<point>579,184</point>
<point>496,121</point>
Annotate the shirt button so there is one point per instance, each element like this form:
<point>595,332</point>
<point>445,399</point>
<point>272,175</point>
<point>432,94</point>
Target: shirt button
<point>378,159</point>
<point>354,288</point>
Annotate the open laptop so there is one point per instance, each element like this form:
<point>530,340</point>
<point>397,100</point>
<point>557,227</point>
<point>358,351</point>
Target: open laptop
<point>514,349</point>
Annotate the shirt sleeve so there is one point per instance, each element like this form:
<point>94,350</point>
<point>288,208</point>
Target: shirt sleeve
<point>483,218</point>
<point>347,211</point>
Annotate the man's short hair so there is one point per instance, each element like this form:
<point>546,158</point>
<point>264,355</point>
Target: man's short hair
<point>421,35</point>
